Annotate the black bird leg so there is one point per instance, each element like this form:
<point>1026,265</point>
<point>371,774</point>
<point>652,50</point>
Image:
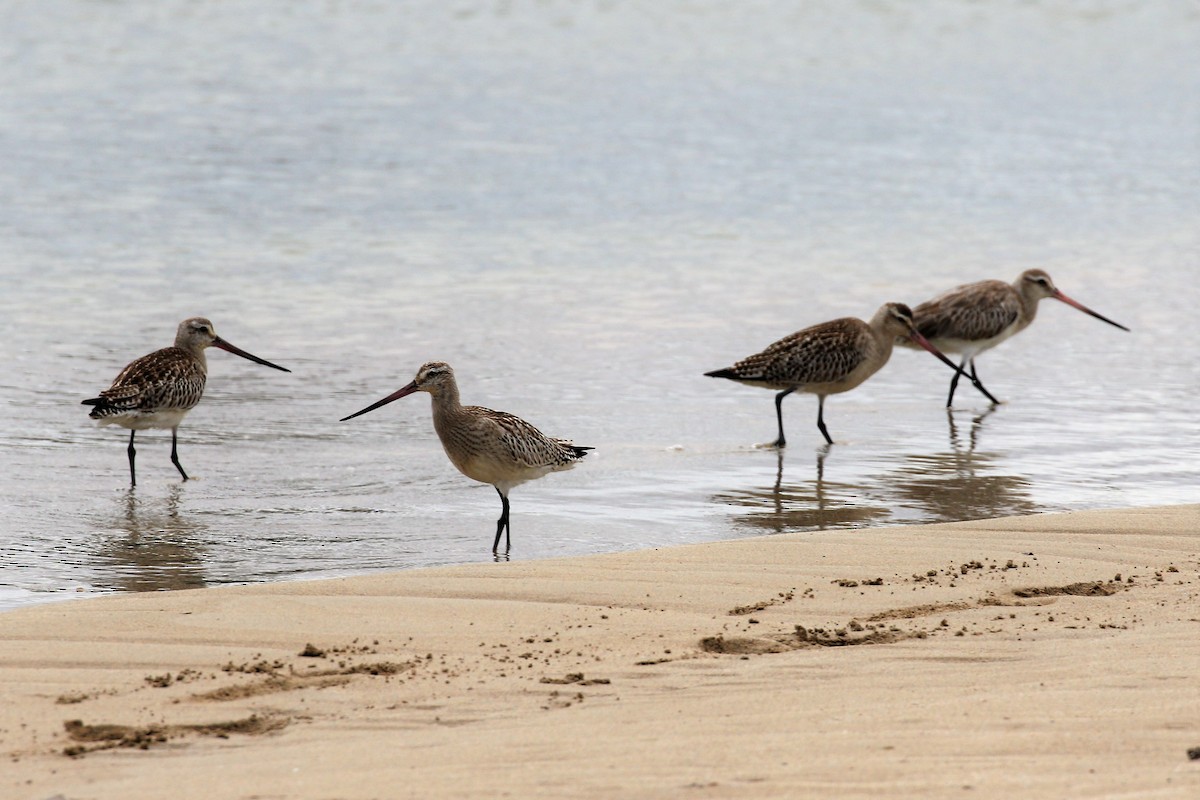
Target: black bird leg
<point>132,453</point>
<point>502,526</point>
<point>978,385</point>
<point>821,418</point>
<point>781,441</point>
<point>974,379</point>
<point>175,456</point>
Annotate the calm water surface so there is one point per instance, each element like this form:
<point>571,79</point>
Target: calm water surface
<point>582,207</point>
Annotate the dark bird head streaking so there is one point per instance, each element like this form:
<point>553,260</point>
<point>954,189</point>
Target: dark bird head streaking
<point>197,333</point>
<point>432,377</point>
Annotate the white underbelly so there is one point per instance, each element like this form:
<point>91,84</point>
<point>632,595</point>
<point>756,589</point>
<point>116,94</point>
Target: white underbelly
<point>145,420</point>
<point>502,474</point>
<point>971,347</point>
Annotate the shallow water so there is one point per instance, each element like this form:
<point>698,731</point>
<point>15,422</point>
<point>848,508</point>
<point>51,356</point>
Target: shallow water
<point>582,207</point>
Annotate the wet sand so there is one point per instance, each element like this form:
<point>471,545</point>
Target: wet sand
<point>1043,656</point>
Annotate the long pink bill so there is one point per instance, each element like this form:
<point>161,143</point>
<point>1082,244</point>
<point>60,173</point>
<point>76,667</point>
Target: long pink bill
<point>1073,304</point>
<point>237,351</point>
<point>921,340</point>
<point>405,392</point>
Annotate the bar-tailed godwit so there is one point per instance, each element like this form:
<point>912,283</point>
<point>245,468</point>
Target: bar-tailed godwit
<point>978,316</point>
<point>486,446</point>
<point>828,358</point>
<point>157,390</point>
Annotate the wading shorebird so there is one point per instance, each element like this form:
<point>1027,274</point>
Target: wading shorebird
<point>978,316</point>
<point>486,446</point>
<point>157,390</point>
<point>828,358</point>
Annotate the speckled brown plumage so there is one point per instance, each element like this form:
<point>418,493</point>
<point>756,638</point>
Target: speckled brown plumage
<point>828,358</point>
<point>973,313</point>
<point>826,355</point>
<point>170,380</point>
<point>976,317</point>
<point>485,445</point>
<point>496,447</point>
<point>158,389</point>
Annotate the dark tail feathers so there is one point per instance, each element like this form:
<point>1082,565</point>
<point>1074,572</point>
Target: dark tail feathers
<point>103,408</point>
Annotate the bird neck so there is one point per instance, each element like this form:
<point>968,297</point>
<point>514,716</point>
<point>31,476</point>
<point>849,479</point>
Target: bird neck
<point>885,341</point>
<point>445,400</point>
<point>1029,301</point>
<point>195,352</point>
<point>884,331</point>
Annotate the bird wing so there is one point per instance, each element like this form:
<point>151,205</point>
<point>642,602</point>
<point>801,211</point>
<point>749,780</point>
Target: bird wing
<point>526,445</point>
<point>156,380</point>
<point>972,312</point>
<point>824,353</point>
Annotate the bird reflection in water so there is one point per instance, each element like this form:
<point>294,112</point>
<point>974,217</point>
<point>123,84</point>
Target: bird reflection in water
<point>950,486</point>
<point>808,505</point>
<point>961,483</point>
<point>154,548</point>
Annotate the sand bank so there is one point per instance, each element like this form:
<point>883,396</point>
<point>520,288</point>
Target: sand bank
<point>1045,656</point>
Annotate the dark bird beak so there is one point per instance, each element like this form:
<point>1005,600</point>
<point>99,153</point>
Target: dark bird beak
<point>1073,304</point>
<point>396,395</point>
<point>237,351</point>
<point>921,340</point>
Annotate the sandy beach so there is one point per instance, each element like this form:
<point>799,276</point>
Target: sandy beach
<point>586,208</point>
<point>1042,656</point>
